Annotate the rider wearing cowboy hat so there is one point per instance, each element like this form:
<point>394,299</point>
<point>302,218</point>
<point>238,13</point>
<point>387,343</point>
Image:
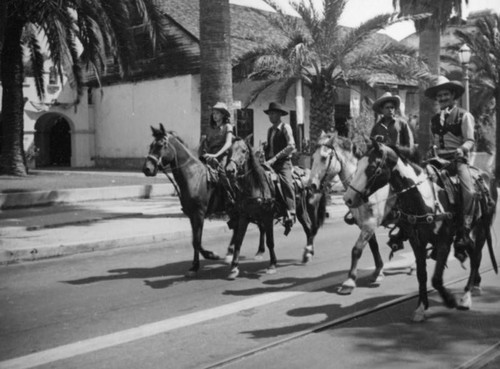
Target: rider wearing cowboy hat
<point>278,154</point>
<point>215,146</point>
<point>453,132</point>
<point>392,130</point>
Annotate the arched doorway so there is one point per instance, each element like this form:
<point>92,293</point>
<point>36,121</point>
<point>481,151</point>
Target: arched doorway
<point>53,139</point>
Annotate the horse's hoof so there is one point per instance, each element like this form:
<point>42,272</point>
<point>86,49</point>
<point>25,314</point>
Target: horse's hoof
<point>307,255</point>
<point>418,317</point>
<point>210,255</point>
<point>477,291</point>
<point>233,274</point>
<point>419,314</point>
<point>191,274</point>
<point>378,278</point>
<point>465,302</point>
<point>259,256</point>
<point>271,270</point>
<point>228,259</point>
<point>347,287</point>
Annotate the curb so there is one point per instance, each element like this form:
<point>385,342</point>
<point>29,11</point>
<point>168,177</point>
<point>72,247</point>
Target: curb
<point>73,248</point>
<point>38,198</point>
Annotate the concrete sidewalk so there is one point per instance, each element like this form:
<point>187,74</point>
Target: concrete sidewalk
<point>91,219</point>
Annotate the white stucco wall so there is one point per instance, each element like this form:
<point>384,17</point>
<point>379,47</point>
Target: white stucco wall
<point>124,114</point>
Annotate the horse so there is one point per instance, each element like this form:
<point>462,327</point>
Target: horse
<point>427,216</point>
<point>256,199</point>
<point>334,156</point>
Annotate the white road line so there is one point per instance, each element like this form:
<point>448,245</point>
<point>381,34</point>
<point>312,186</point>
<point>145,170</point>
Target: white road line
<point>146,330</point>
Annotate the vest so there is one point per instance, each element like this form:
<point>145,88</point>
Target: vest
<point>452,124</point>
<point>279,142</point>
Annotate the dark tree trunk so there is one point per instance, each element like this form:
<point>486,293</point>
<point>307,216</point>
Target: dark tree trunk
<point>12,155</point>
<point>430,50</point>
<point>215,55</point>
<point>497,133</point>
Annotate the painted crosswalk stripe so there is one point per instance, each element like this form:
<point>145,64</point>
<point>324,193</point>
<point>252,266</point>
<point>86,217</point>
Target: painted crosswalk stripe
<point>145,331</point>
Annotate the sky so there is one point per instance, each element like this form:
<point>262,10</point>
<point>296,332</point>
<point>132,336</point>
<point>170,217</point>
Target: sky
<point>357,11</point>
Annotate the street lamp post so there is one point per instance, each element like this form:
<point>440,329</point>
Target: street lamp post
<point>464,55</point>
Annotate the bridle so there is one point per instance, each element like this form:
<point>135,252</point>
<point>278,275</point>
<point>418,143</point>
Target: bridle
<point>158,161</point>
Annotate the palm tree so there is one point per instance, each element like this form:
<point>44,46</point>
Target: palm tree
<point>429,30</point>
<point>485,78</point>
<point>215,53</point>
<point>103,29</point>
<point>325,56</point>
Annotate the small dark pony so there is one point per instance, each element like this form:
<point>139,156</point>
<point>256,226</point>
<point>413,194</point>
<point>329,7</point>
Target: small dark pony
<point>427,216</point>
<point>257,202</point>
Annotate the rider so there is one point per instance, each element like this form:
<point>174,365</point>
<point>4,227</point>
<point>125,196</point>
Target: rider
<point>278,154</point>
<point>392,130</point>
<point>453,132</point>
<point>216,144</point>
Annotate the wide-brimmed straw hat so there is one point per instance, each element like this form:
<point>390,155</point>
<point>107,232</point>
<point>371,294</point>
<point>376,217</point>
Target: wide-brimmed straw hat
<point>222,107</point>
<point>443,83</point>
<point>379,103</point>
<point>274,106</point>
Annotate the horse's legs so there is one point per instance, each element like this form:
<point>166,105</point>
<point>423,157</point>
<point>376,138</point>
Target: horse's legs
<point>262,240</point>
<point>197,221</point>
<point>268,225</point>
<point>238,240</point>
<point>310,232</point>
<point>474,281</point>
<point>421,263</point>
<point>378,274</point>
<point>230,249</point>
<point>442,252</point>
<point>357,251</point>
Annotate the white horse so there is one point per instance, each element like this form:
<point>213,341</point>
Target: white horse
<point>334,156</point>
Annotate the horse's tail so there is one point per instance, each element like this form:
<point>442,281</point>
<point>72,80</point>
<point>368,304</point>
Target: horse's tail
<point>489,223</point>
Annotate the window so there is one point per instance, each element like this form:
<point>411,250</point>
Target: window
<point>244,123</point>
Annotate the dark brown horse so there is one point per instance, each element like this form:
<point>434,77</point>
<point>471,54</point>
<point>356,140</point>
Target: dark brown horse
<point>191,176</point>
<point>427,216</point>
<point>257,202</point>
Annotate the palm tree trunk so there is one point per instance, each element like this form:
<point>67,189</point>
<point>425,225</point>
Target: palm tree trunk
<point>215,55</point>
<point>497,133</point>
<point>430,50</point>
<point>12,154</point>
<point>322,111</point>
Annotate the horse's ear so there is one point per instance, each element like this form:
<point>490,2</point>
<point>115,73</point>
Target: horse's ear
<point>162,129</point>
<point>154,130</point>
<point>248,139</point>
<point>322,134</point>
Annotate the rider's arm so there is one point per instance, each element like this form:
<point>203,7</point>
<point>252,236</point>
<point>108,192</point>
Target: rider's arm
<point>290,147</point>
<point>467,132</point>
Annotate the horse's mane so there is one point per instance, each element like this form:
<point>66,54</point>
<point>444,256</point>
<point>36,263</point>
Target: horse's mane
<point>254,165</point>
<point>409,156</point>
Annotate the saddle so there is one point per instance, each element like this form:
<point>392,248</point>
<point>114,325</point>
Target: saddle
<point>443,173</point>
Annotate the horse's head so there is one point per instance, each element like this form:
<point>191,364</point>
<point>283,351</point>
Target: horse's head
<point>332,154</point>
<point>237,157</point>
<point>373,172</point>
<point>160,152</point>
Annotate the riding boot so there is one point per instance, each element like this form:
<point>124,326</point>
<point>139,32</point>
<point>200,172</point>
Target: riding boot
<point>463,240</point>
<point>396,239</point>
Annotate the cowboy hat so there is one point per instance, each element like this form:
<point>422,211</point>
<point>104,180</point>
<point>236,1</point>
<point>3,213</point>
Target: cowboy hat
<point>222,108</point>
<point>379,103</point>
<point>443,83</point>
<point>274,106</point>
